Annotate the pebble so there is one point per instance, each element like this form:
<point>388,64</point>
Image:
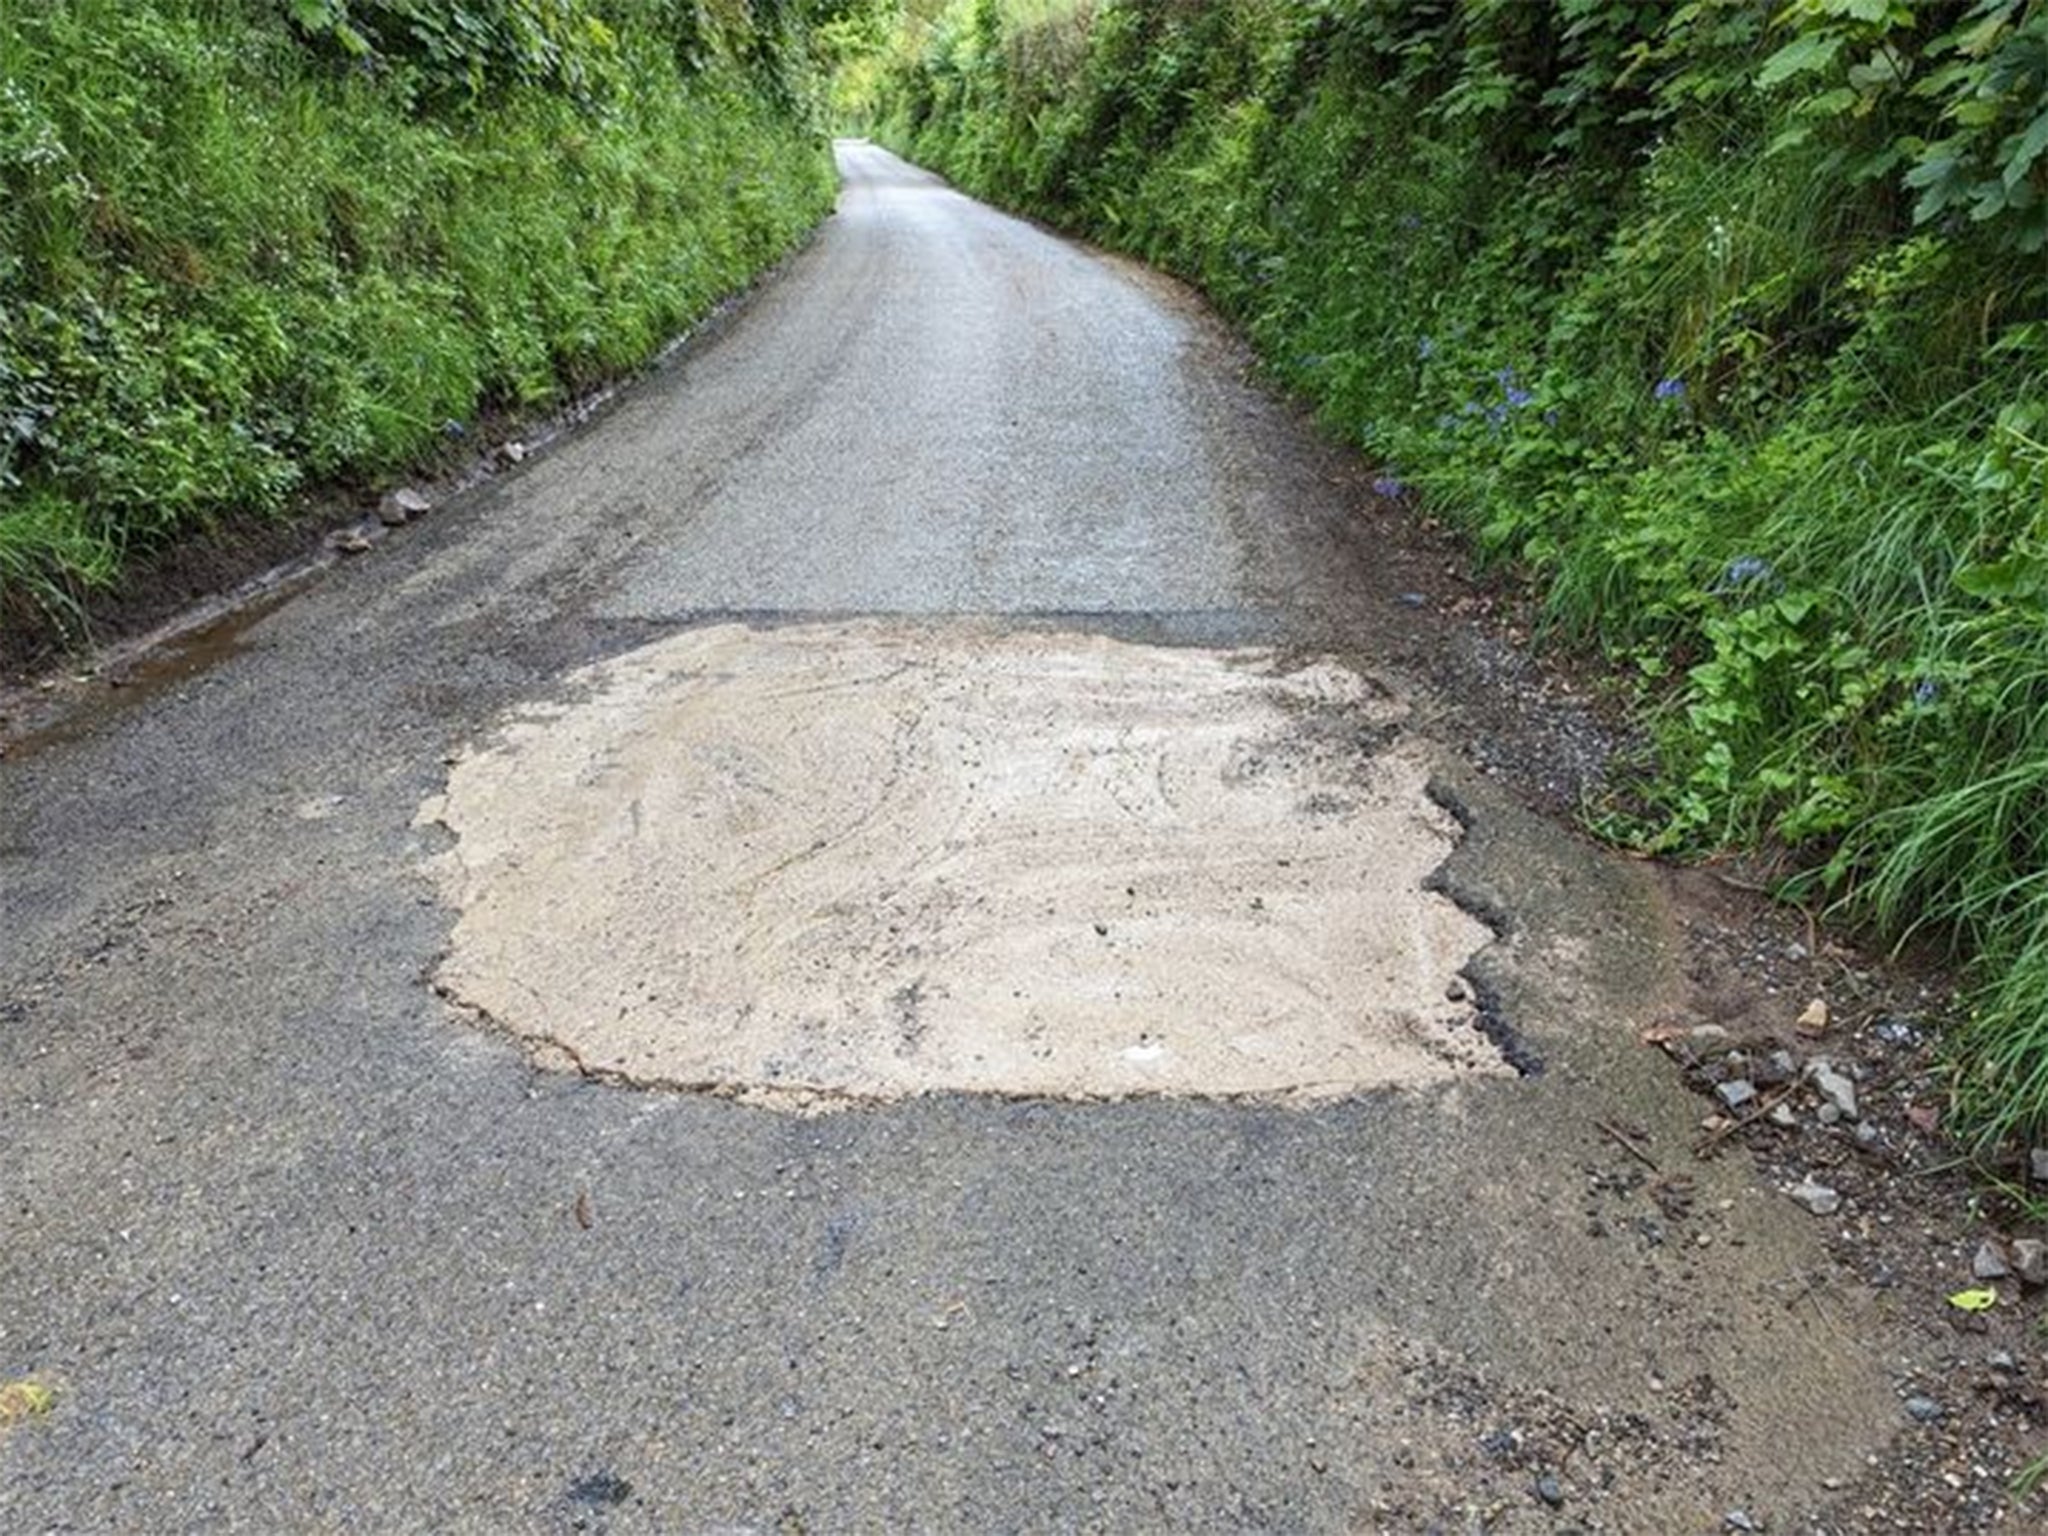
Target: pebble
<point>2037,1160</point>
<point>1737,1093</point>
<point>1989,1264</point>
<point>1924,1410</point>
<point>2030,1260</point>
<point>1816,1197</point>
<point>1778,1067</point>
<point>1897,1032</point>
<point>1550,1490</point>
<point>1866,1134</point>
<point>1834,1087</point>
<point>514,452</point>
<point>1739,1520</point>
<point>1782,1114</point>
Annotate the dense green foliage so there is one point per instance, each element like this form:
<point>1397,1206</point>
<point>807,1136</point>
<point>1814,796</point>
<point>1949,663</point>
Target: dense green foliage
<point>249,243</point>
<point>1726,324</point>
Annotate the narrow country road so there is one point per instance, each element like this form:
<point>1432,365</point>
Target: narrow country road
<point>881,940</point>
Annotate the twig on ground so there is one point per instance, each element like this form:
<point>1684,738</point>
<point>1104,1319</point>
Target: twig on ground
<point>1740,885</point>
<point>1627,1144</point>
<point>1714,1138</point>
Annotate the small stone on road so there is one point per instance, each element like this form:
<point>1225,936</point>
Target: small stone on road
<point>1737,1093</point>
<point>1989,1264</point>
<point>1816,1197</point>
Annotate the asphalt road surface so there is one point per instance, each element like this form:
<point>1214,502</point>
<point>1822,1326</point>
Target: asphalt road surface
<point>880,939</point>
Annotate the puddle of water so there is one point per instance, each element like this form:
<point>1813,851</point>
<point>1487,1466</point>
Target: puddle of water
<point>202,640</point>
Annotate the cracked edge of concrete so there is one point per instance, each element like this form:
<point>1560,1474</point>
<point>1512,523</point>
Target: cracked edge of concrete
<point>1458,883</point>
<point>1541,886</point>
<point>547,1055</point>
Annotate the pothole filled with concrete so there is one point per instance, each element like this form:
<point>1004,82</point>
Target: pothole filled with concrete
<point>868,860</point>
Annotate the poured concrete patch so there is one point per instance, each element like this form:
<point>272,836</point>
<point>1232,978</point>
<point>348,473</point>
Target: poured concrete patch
<point>869,860</point>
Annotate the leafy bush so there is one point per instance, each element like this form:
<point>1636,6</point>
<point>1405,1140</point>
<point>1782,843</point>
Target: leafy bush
<point>465,50</point>
<point>243,244</point>
<point>1725,325</point>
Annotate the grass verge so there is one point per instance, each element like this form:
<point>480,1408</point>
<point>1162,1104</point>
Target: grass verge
<point>246,248</point>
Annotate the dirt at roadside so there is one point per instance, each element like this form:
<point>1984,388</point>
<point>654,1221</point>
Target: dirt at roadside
<point>1912,1221</point>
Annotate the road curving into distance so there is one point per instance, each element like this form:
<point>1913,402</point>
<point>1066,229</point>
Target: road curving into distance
<point>886,938</point>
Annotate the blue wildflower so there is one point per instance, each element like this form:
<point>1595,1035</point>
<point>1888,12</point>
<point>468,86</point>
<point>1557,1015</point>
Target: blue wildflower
<point>1411,221</point>
<point>1748,571</point>
<point>1518,397</point>
<point>1496,417</point>
<point>1504,377</point>
<point>1389,486</point>
<point>1550,418</point>
<point>1425,349</point>
<point>1925,692</point>
<point>1669,389</point>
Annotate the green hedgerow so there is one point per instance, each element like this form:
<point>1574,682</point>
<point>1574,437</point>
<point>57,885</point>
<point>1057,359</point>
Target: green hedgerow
<point>245,244</point>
